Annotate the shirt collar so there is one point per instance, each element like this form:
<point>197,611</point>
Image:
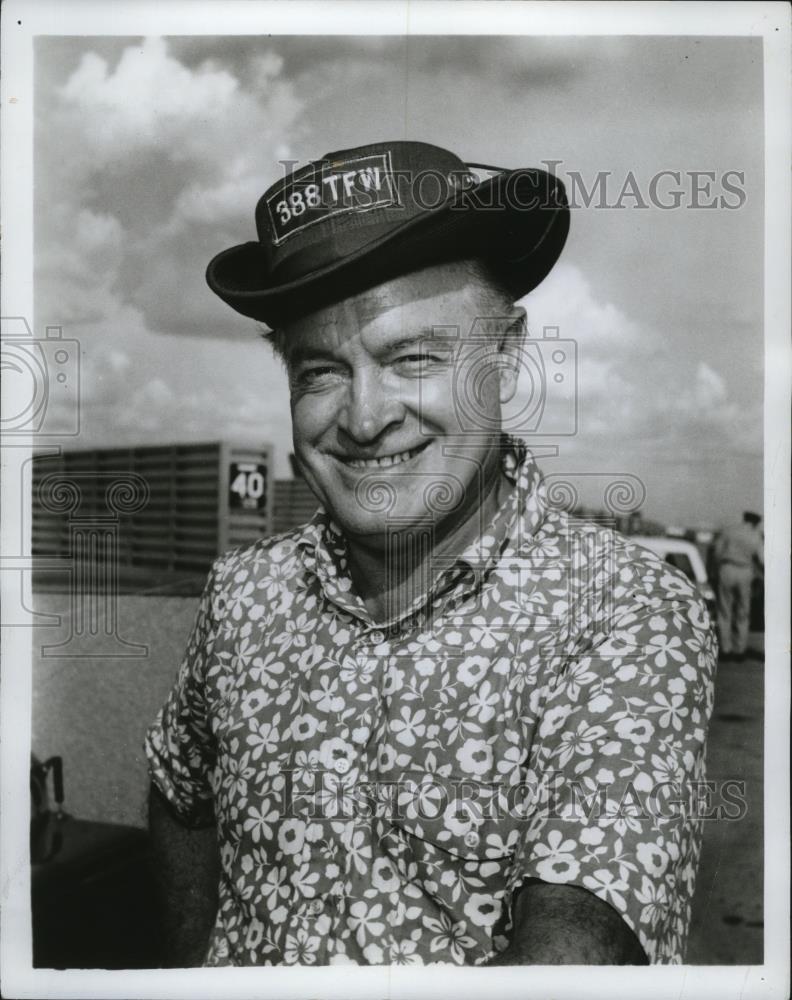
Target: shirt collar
<point>324,546</point>
<point>520,516</point>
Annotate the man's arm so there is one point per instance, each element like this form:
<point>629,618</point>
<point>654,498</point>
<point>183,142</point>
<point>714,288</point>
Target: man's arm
<point>186,871</point>
<point>567,925</point>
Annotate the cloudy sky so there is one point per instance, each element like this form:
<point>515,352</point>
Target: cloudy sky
<point>151,154</point>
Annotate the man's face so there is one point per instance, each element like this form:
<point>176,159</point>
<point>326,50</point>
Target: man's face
<point>396,398</point>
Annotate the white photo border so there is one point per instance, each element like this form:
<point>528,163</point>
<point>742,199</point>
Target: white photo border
<point>22,22</point>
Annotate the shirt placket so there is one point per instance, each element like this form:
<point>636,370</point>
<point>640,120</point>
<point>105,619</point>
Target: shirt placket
<point>370,648</point>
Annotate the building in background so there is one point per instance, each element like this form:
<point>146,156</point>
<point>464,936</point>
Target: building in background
<point>150,517</point>
<point>293,503</point>
<point>153,518</point>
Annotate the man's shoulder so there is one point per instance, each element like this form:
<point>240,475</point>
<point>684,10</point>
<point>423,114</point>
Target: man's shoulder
<point>630,565</point>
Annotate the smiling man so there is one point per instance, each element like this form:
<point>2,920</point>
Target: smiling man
<point>443,721</point>
<point>376,416</point>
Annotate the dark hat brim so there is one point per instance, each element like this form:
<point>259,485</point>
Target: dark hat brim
<point>520,241</point>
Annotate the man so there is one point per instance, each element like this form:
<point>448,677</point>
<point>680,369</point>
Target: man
<point>738,552</point>
<point>415,729</point>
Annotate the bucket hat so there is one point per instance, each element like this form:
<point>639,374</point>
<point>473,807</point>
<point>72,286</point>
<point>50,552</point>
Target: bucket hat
<point>357,217</point>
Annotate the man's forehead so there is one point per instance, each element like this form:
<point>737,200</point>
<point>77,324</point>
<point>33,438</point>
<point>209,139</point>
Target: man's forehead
<point>429,297</point>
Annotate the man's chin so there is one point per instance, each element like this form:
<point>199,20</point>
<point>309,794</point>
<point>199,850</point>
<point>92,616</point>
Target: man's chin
<point>379,532</point>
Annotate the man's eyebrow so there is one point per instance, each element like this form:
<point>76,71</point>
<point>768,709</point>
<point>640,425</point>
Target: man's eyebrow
<point>428,333</point>
<point>299,355</point>
<point>431,334</point>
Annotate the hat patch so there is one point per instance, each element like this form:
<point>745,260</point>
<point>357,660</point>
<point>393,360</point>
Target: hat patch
<point>328,189</point>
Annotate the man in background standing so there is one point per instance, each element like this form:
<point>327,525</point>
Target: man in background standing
<point>738,552</point>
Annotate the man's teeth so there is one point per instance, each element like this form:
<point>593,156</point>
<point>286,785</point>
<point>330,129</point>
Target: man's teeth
<point>381,463</point>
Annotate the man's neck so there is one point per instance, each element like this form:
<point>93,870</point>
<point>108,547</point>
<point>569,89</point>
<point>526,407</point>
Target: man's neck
<point>389,581</point>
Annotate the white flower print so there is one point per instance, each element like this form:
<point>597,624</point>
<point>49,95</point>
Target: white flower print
<point>291,836</point>
<point>366,921</point>
<point>654,898</point>
<point>409,727</point>
<point>673,710</point>
<point>291,726</point>
<point>405,953</point>
<point>472,670</point>
<point>475,757</point>
<point>373,954</point>
<point>563,868</point>
<point>558,862</point>
<point>259,821</point>
<point>301,948</point>
<point>482,909</point>
<point>605,884</point>
<point>667,648</point>
<point>264,738</point>
<point>653,858</point>
<point>580,742</point>
<point>305,726</point>
<point>553,719</point>
<point>482,703</point>
<point>635,730</point>
<point>383,876</point>
<point>448,936</point>
<point>240,598</point>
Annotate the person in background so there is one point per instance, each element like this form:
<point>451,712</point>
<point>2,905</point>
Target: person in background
<point>738,552</point>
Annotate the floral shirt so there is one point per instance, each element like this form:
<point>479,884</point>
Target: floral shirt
<point>380,790</point>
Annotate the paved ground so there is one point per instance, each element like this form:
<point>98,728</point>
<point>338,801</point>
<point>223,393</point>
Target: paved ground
<point>728,926</point>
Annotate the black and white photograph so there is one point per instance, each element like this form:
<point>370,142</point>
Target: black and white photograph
<point>395,523</point>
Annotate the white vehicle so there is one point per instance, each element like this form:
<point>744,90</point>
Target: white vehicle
<point>685,556</point>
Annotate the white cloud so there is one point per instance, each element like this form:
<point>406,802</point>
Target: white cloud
<point>148,98</point>
<point>632,385</point>
<point>566,300</point>
<point>609,348</point>
<point>150,106</point>
<point>710,389</point>
<point>148,168</point>
<point>216,203</point>
<point>79,254</point>
<point>148,165</point>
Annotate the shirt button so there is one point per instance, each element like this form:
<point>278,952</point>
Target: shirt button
<point>472,839</point>
<point>377,637</point>
<point>315,908</point>
<point>341,765</point>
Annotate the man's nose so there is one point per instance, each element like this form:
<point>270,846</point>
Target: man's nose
<point>370,406</point>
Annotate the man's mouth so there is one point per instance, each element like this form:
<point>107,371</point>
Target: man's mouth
<point>383,461</point>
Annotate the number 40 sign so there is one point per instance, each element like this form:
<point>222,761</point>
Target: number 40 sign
<point>247,485</point>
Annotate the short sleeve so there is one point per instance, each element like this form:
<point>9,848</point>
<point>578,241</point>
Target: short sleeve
<point>615,766</point>
<point>179,745</point>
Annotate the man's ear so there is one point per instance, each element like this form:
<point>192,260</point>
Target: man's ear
<point>510,347</point>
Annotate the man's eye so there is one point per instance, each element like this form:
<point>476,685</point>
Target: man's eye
<point>418,361</point>
<point>315,376</point>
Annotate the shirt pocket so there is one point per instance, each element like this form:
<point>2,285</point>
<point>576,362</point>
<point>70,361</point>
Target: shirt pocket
<point>459,861</point>
<point>451,820</point>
